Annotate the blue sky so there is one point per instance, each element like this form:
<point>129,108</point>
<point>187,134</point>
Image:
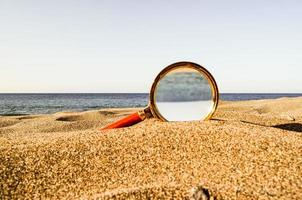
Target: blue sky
<point>120,46</point>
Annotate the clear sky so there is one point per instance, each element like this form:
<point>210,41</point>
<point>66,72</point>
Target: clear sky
<point>120,46</point>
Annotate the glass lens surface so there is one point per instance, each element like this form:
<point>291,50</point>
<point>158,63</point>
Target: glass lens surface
<point>184,94</point>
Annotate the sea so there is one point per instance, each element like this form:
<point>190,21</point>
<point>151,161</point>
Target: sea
<point>45,103</point>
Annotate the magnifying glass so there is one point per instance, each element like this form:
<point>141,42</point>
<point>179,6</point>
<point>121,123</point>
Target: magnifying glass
<point>183,91</point>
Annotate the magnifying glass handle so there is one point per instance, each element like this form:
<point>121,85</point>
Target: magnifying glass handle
<point>127,121</point>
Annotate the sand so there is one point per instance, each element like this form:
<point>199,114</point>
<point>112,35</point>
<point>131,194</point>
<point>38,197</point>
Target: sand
<point>249,150</point>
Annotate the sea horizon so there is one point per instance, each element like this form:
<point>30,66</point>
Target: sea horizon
<point>140,92</point>
<point>48,103</point>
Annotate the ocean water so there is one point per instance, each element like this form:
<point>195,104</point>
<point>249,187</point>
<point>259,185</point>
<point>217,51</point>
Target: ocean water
<point>22,104</point>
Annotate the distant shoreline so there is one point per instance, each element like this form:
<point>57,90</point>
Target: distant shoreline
<point>43,93</point>
<point>17,104</point>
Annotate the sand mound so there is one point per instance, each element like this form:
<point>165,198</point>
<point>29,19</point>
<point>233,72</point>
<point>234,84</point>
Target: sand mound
<point>278,108</point>
<point>237,155</point>
<point>5,122</point>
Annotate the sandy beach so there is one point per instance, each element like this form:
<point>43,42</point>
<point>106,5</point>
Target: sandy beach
<point>249,150</point>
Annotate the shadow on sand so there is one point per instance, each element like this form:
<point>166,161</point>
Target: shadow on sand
<point>297,127</point>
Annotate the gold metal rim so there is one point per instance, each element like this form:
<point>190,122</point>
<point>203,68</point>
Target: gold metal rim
<point>184,64</point>
<point>142,114</point>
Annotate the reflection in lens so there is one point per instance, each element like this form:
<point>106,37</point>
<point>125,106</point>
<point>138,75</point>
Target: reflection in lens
<point>184,94</point>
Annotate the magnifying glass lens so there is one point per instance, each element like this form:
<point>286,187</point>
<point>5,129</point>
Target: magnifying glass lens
<point>184,94</point>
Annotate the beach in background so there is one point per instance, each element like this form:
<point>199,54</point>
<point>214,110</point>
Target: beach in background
<point>24,104</point>
<point>249,150</point>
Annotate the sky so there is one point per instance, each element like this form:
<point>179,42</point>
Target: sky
<point>120,46</point>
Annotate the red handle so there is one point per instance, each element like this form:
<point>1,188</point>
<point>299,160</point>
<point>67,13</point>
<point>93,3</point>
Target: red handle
<point>126,121</point>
